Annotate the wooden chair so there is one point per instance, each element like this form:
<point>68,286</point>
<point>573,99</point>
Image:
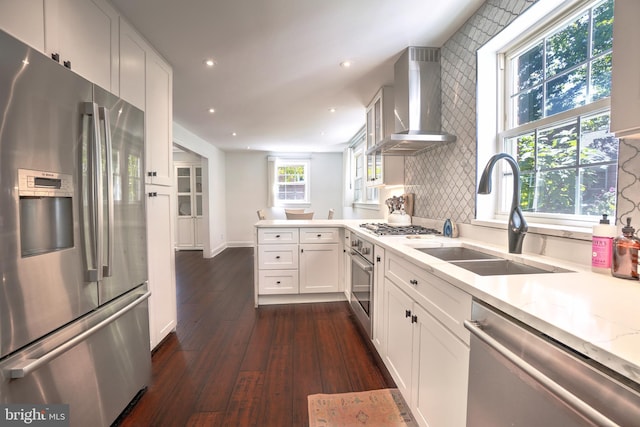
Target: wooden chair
<point>331,212</point>
<point>261,214</point>
<point>299,215</point>
<point>287,211</point>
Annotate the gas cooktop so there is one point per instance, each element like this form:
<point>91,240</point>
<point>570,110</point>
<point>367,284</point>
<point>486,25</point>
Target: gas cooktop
<point>398,230</point>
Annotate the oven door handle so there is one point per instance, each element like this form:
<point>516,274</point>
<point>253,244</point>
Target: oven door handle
<point>560,392</point>
<point>355,257</point>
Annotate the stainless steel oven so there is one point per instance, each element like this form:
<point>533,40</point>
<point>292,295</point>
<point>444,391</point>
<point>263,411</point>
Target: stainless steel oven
<point>362,275</point>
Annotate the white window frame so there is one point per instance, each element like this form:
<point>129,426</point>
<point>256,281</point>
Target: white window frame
<point>492,102</point>
<point>307,181</point>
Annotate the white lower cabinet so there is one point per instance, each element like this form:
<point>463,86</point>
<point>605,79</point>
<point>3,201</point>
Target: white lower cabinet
<point>302,260</point>
<point>378,297</point>
<point>398,332</point>
<point>162,282</point>
<point>319,268</point>
<point>425,353</point>
<point>275,282</point>
<point>441,370</point>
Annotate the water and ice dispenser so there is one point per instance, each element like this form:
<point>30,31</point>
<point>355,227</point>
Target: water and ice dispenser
<point>46,211</point>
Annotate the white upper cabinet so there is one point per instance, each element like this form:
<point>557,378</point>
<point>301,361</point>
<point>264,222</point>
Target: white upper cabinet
<point>158,120</point>
<point>133,56</point>
<point>84,33</point>
<point>382,170</point>
<point>625,84</point>
<point>24,20</point>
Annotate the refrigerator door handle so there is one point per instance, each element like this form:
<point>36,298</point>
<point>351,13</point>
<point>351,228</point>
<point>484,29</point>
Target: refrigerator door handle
<point>107,269</point>
<point>27,366</point>
<point>94,194</point>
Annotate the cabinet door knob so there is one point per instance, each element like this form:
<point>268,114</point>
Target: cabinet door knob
<point>277,236</point>
<point>55,57</point>
<point>319,235</point>
<point>278,282</point>
<point>67,64</point>
<point>277,256</point>
<point>407,313</point>
<point>413,281</point>
<point>378,259</point>
<point>414,319</point>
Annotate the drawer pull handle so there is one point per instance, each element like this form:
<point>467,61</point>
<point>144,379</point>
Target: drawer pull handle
<point>414,319</point>
<point>413,281</point>
<point>277,256</point>
<point>319,235</point>
<point>277,236</point>
<point>278,282</point>
<point>407,313</point>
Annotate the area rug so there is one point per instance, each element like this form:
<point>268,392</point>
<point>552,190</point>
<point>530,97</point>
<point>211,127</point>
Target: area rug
<point>379,408</point>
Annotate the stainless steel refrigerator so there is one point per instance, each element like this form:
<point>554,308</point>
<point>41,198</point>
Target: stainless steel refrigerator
<point>73,267</point>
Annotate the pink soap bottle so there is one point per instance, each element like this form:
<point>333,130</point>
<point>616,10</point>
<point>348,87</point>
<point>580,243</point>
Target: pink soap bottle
<point>602,246</point>
<point>625,254</point>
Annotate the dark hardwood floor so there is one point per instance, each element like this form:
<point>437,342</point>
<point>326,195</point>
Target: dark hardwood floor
<point>230,364</point>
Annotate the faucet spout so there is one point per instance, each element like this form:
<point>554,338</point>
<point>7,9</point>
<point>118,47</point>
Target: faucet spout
<point>517,225</point>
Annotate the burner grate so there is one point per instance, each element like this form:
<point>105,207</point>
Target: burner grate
<point>402,230</point>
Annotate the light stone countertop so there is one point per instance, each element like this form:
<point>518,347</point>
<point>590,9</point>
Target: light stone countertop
<point>595,314</point>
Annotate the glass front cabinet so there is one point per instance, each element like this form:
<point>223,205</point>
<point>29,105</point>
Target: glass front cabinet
<point>189,205</point>
<point>382,170</point>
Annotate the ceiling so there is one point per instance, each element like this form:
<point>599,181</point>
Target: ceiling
<point>277,67</point>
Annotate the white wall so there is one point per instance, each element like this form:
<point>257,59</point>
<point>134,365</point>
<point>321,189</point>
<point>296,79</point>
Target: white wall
<point>246,191</point>
<point>214,192</point>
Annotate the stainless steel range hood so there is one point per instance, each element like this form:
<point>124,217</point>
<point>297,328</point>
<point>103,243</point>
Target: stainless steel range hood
<point>417,94</point>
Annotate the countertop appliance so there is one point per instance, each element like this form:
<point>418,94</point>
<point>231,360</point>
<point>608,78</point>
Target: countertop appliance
<point>382,229</point>
<point>74,325</point>
<point>362,280</point>
<point>521,377</point>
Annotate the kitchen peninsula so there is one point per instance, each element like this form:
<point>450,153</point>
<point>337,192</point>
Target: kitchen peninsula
<point>591,313</point>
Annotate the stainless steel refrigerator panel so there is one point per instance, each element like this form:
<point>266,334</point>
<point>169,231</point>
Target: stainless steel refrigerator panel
<point>125,242</point>
<point>96,365</point>
<point>40,129</point>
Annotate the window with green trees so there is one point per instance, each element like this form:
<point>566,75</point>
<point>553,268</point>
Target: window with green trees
<point>292,181</point>
<point>557,89</point>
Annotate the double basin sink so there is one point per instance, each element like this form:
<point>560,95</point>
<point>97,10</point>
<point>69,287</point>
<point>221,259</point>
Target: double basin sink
<point>484,264</point>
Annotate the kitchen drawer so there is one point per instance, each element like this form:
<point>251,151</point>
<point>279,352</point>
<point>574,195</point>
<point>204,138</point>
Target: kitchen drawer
<point>277,235</point>
<point>319,235</point>
<point>448,304</point>
<point>277,257</point>
<point>273,282</point>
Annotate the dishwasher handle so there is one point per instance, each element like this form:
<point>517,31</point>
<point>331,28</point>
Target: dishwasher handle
<point>562,393</point>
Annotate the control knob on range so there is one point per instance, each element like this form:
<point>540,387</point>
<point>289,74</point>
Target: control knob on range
<point>366,250</point>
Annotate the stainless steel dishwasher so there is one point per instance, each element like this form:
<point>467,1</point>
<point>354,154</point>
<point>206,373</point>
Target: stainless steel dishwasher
<point>520,377</point>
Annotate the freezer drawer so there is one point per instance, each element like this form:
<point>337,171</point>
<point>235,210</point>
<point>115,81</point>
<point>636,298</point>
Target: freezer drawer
<point>96,365</point>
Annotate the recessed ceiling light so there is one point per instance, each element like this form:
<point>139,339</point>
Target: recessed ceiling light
<point>233,134</point>
<point>346,64</point>
<point>212,110</point>
<point>209,62</point>
<point>332,110</point>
